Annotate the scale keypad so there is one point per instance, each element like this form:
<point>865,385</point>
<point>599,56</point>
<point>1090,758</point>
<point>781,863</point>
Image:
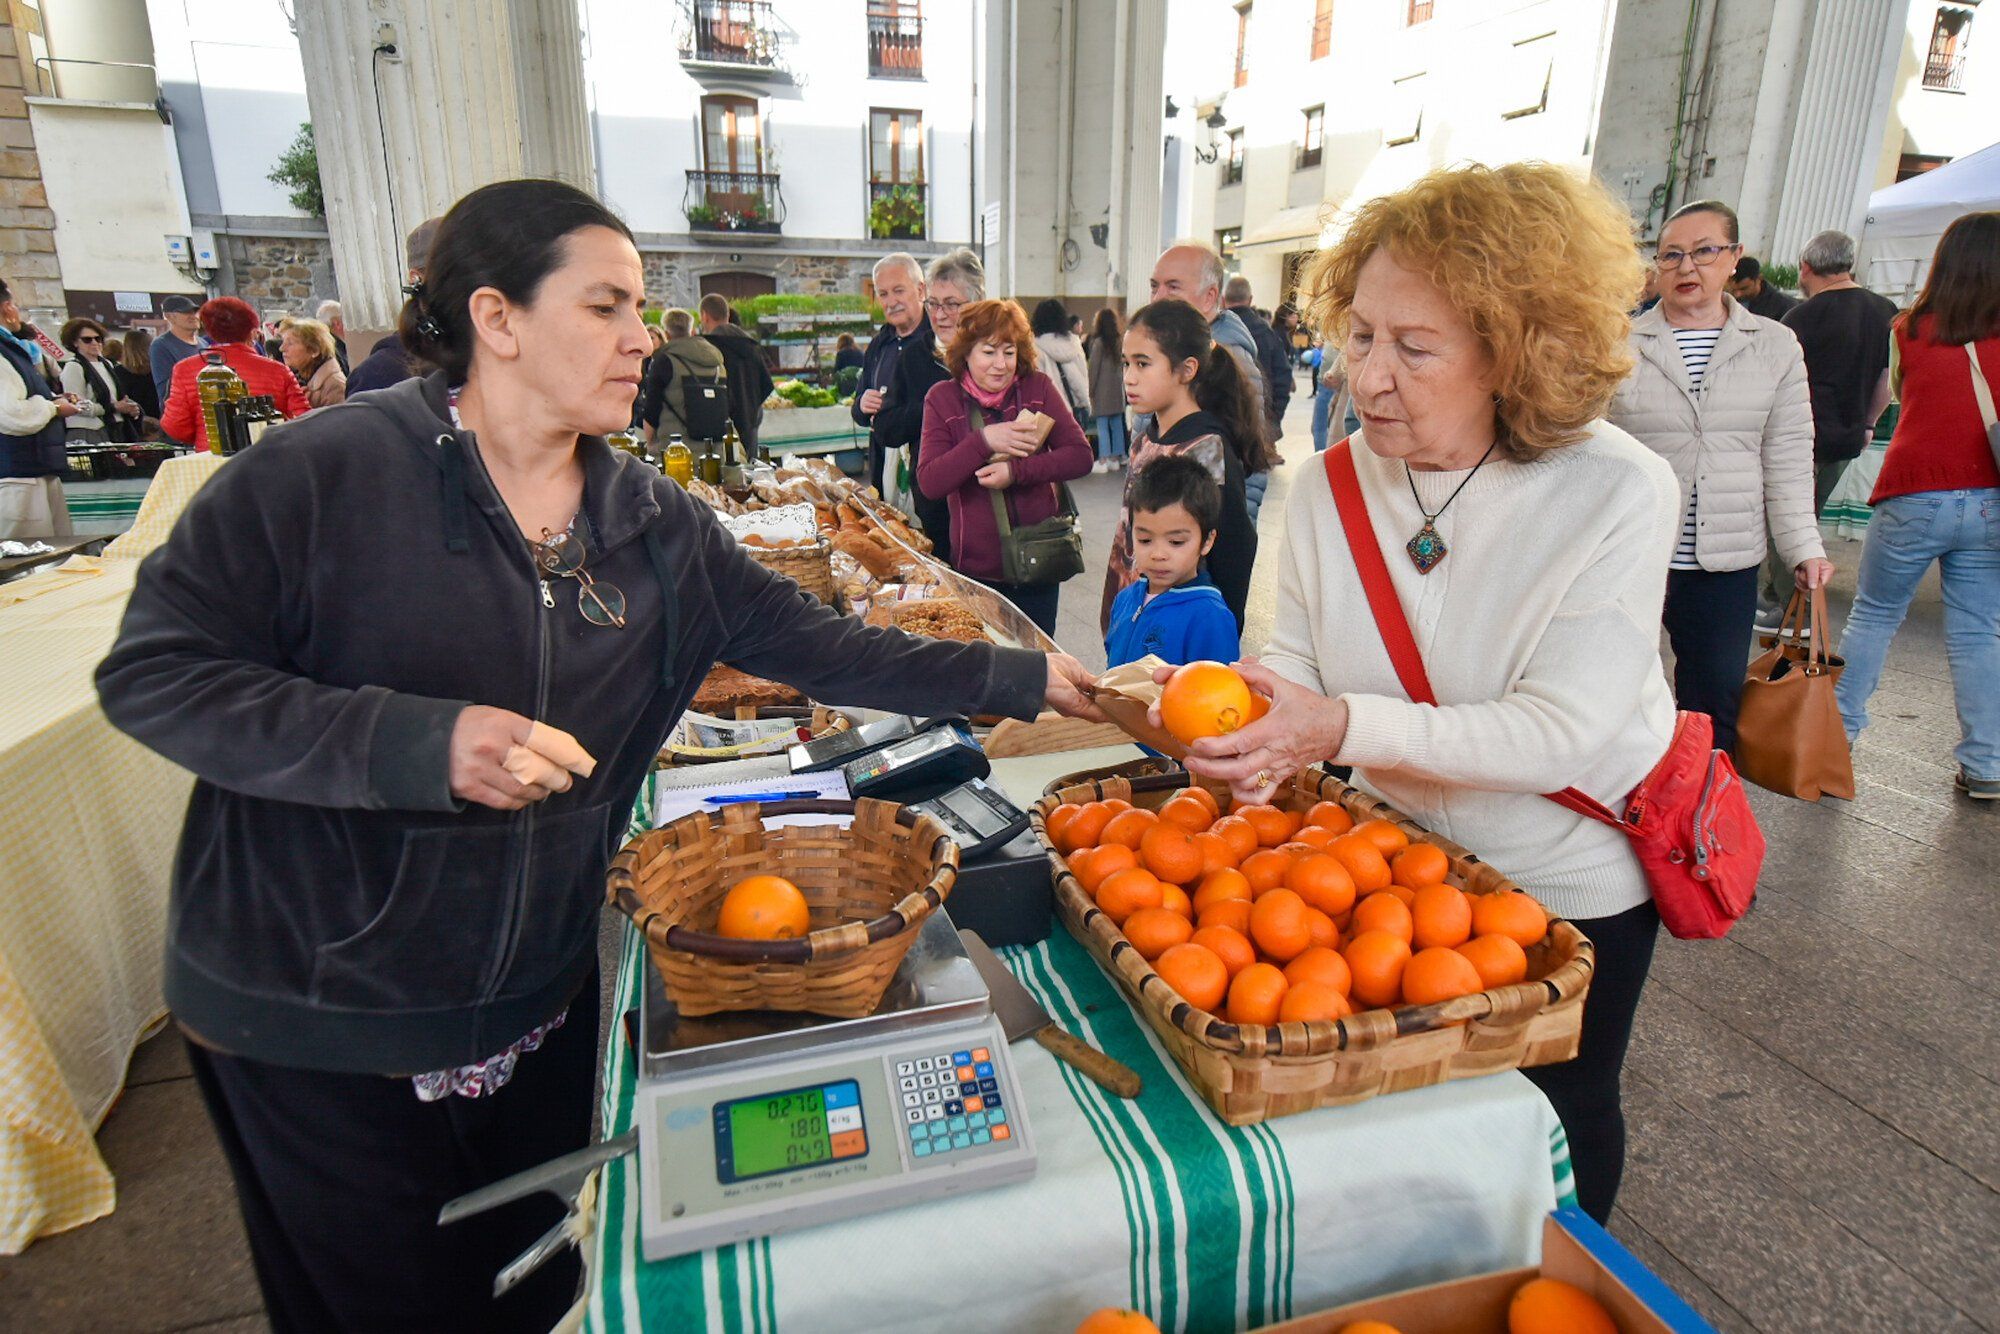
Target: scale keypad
<point>951,1102</point>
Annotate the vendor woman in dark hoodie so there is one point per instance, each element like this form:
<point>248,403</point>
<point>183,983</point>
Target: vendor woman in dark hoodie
<point>382,946</point>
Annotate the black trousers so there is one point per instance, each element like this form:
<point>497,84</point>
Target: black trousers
<point>1708,617</point>
<point>340,1178</point>
<point>1585,1091</point>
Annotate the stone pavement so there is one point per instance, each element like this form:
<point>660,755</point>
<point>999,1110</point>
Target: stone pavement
<point>1814,1103</point>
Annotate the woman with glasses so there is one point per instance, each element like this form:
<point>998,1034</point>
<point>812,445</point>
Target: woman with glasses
<point>953,282</point>
<point>1721,394</point>
<point>383,932</point>
<point>108,415</point>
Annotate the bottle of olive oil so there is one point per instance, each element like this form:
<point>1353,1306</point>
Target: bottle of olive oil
<point>677,460</point>
<point>214,383</point>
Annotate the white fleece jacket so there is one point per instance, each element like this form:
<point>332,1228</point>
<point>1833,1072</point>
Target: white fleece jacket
<point>1540,632</point>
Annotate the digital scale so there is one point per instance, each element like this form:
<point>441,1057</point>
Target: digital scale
<point>755,1123</point>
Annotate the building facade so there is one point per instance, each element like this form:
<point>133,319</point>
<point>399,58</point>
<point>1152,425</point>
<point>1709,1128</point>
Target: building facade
<point>1293,111</point>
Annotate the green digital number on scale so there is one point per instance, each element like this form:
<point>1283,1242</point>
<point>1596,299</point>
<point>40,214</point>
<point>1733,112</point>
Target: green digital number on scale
<point>782,1132</point>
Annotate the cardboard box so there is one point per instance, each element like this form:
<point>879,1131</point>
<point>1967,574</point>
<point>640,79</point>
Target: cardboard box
<point>1574,1249</point>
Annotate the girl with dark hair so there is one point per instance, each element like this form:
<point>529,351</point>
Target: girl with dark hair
<point>1938,498</point>
<point>134,371</point>
<point>1062,351</point>
<point>382,940</point>
<point>1202,406</point>
<point>1104,354</point>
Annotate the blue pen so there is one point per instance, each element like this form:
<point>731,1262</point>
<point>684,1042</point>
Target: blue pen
<point>761,797</point>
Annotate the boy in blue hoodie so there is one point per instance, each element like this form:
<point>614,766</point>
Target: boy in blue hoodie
<point>1174,610</point>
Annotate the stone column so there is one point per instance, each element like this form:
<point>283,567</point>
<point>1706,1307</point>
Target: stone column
<point>1849,67</point>
<point>473,92</point>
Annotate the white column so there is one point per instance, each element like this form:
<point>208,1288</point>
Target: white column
<point>473,92</point>
<point>1843,105</point>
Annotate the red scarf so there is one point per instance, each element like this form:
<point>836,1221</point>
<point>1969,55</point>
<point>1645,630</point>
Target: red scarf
<point>991,402</point>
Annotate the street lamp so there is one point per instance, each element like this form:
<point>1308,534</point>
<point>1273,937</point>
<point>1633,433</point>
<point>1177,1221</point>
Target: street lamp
<point>1215,121</point>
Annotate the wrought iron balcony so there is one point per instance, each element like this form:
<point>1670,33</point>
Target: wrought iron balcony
<point>1945,72</point>
<point>898,210</point>
<point>734,202</point>
<point>895,46</point>
<point>739,33</point>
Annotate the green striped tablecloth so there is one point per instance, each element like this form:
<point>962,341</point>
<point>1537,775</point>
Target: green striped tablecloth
<point>1152,1203</point>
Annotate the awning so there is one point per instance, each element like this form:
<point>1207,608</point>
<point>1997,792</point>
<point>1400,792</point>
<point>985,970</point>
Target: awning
<point>1293,228</point>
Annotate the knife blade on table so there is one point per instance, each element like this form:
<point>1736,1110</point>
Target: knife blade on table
<point>1022,1016</point>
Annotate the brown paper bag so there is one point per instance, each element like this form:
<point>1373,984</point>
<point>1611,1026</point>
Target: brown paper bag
<point>1126,693</point>
<point>1789,737</point>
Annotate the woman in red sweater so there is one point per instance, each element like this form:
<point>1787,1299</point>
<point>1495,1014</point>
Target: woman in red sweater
<point>975,446</point>
<point>1938,498</point>
<point>230,325</point>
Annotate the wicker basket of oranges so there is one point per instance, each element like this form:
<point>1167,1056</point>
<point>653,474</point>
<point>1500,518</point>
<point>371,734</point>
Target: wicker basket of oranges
<point>1313,952</point>
<point>865,887</point>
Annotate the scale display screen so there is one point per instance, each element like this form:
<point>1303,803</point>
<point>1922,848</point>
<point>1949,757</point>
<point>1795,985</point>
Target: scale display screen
<point>788,1131</point>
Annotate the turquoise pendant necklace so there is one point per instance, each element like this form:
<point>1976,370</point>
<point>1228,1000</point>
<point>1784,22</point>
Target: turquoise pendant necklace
<point>1427,549</point>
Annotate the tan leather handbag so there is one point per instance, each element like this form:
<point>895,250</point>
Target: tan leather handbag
<point>1789,737</point>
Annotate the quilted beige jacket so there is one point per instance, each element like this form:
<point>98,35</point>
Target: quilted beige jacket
<point>1746,441</point>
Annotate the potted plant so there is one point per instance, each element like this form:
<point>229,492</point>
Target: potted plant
<point>701,215</point>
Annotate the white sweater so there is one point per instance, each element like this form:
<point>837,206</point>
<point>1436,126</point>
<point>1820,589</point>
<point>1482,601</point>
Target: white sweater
<point>1540,632</point>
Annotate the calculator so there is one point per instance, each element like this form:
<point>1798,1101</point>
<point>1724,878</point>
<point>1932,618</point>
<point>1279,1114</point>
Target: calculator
<point>977,816</point>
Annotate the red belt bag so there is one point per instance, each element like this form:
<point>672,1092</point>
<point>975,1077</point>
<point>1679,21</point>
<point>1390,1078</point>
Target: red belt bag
<point>1689,820</point>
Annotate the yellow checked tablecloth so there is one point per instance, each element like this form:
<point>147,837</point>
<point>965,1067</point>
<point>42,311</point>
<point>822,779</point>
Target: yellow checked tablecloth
<point>88,823</point>
<point>173,487</point>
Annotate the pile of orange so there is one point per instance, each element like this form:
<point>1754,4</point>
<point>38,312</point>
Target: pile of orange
<point>1267,916</point>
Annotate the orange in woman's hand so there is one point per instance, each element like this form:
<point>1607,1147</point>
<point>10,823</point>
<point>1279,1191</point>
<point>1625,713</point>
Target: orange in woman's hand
<point>1256,995</point>
<point>1203,699</point>
<point>1197,974</point>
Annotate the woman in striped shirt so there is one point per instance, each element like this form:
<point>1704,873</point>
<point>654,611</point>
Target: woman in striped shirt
<point>1721,394</point>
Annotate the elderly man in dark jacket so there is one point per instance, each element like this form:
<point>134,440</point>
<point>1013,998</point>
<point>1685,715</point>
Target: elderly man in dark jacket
<point>906,331</point>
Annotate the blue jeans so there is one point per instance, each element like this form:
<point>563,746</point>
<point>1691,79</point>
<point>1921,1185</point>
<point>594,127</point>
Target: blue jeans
<point>1961,531</point>
<point>1322,409</point>
<point>1109,430</point>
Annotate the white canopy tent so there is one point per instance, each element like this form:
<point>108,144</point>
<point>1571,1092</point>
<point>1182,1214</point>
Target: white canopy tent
<point>1906,219</point>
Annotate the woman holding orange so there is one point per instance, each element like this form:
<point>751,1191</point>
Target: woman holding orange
<point>1526,541</point>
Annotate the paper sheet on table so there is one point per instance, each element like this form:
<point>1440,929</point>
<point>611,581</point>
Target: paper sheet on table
<point>673,803</point>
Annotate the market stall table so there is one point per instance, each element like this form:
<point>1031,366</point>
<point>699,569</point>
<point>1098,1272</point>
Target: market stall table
<point>1152,1203</point>
<point>88,822</point>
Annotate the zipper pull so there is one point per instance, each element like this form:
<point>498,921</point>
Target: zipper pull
<point>548,598</point>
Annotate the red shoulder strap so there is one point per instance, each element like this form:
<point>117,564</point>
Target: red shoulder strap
<point>1392,623</point>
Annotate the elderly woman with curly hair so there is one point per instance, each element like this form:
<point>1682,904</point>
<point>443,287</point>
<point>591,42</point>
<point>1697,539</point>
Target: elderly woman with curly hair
<point>1527,541</point>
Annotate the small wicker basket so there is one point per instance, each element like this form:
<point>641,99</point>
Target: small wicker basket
<point>869,886</point>
<point>810,563</point>
<point>1253,1073</point>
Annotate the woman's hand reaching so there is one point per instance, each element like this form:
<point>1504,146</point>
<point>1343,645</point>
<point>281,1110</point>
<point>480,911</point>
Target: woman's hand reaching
<point>1301,728</point>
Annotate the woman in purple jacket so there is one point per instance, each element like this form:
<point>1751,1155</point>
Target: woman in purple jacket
<point>976,445</point>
